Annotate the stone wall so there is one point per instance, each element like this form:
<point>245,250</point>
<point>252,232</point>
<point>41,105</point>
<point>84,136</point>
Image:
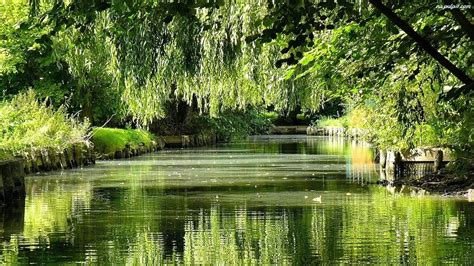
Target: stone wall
<point>325,131</point>
<point>287,130</point>
<point>44,160</point>
<point>416,163</point>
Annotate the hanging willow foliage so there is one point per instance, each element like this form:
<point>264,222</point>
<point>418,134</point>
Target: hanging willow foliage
<point>161,50</point>
<point>155,51</point>
<point>159,54</point>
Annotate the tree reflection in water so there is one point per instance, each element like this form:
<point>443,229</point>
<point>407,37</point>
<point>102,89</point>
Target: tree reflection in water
<point>242,203</point>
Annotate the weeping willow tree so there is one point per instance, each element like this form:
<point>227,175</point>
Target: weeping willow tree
<point>166,53</point>
<point>150,52</point>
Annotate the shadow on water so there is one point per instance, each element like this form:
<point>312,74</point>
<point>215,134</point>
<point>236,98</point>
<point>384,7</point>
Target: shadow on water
<point>12,219</point>
<point>268,200</point>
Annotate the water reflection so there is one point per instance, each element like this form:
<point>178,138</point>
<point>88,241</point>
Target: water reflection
<point>264,201</point>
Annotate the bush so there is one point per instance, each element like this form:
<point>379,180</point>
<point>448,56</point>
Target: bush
<point>107,140</point>
<point>28,124</point>
<point>356,118</point>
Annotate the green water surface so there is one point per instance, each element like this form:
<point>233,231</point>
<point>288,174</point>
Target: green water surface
<point>265,200</point>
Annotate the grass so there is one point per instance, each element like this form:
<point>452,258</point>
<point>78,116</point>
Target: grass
<point>28,124</point>
<point>107,140</point>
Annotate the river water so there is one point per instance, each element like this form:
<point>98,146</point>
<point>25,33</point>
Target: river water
<point>265,200</point>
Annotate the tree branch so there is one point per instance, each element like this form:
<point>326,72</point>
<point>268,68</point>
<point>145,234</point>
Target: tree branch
<point>433,52</point>
<point>462,20</point>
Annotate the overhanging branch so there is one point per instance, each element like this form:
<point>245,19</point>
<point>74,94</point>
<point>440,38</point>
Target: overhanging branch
<point>433,52</point>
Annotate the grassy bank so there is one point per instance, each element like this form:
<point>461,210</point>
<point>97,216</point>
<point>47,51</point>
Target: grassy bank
<point>110,140</point>
<point>355,118</point>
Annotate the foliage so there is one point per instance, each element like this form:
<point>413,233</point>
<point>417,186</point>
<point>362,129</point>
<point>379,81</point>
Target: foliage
<point>378,70</point>
<point>230,56</point>
<point>26,58</point>
<point>201,53</point>
<point>28,124</point>
<point>356,118</point>
<point>457,129</point>
<point>87,55</point>
<point>226,124</point>
<point>330,122</point>
<point>107,140</point>
<point>238,124</point>
<point>270,115</point>
<point>67,65</point>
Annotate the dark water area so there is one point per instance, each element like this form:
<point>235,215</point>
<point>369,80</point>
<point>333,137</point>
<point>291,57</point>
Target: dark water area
<point>265,200</point>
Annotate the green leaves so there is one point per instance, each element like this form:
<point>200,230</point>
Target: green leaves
<point>307,58</point>
<point>289,73</point>
<point>139,55</point>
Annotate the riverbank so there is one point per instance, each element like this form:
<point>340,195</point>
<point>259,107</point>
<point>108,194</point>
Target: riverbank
<point>116,143</point>
<point>105,144</point>
<point>445,184</point>
<point>46,138</point>
<point>50,159</point>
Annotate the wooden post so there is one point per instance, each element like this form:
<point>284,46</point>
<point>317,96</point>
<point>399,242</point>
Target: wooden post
<point>398,165</point>
<point>438,162</point>
<point>383,159</point>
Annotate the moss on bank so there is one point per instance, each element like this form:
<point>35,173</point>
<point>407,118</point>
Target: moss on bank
<point>109,140</point>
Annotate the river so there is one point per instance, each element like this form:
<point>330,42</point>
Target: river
<point>265,200</point>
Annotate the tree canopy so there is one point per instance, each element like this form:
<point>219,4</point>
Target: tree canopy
<point>407,63</point>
